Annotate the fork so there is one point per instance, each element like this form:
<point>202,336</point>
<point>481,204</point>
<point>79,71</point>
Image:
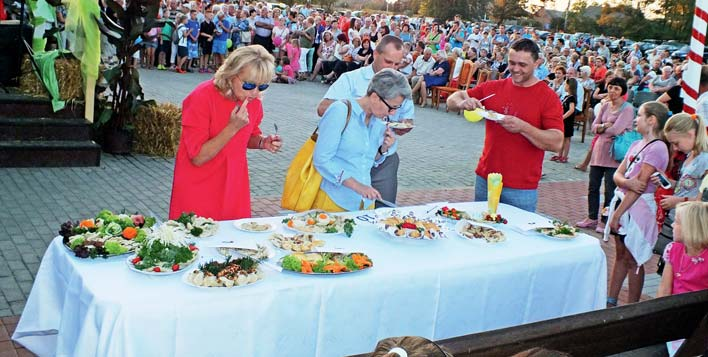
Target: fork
<point>276,128</point>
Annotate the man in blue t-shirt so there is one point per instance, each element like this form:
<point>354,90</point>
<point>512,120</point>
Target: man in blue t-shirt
<point>192,39</point>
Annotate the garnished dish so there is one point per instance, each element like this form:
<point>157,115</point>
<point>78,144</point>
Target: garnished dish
<point>560,230</point>
<point>296,243</point>
<point>320,222</point>
<point>165,251</point>
<point>108,234</point>
<point>471,230</point>
<point>400,125</point>
<point>261,252</point>
<point>226,274</point>
<point>486,217</point>
<point>252,226</point>
<point>410,227</point>
<point>196,226</point>
<point>326,263</point>
<point>452,213</point>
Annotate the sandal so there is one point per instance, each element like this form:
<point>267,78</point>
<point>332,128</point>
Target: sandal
<point>586,223</point>
<point>563,159</point>
<point>555,158</point>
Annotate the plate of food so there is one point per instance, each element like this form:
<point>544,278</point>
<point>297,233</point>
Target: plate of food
<point>164,252</point>
<point>260,252</point>
<point>224,274</point>
<point>400,125</point>
<point>253,226</point>
<point>410,227</point>
<point>106,235</point>
<point>452,213</point>
<point>320,222</point>
<point>195,226</point>
<point>302,242</point>
<point>559,230</point>
<point>489,114</point>
<point>326,263</point>
<point>486,217</point>
<point>473,230</point>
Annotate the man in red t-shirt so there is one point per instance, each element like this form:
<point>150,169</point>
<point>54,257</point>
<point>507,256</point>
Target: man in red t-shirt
<point>533,123</point>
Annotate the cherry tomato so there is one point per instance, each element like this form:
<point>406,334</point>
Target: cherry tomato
<point>156,269</point>
<point>175,267</point>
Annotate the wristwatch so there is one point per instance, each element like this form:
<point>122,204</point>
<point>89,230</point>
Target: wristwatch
<point>382,153</point>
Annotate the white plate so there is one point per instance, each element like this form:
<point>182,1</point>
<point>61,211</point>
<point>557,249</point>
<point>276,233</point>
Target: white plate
<point>170,272</point>
<point>271,252</point>
<point>238,224</point>
<point>294,229</point>
<point>184,280</point>
<point>390,232</point>
<point>490,114</point>
<point>556,237</point>
<point>400,125</point>
<point>463,222</point>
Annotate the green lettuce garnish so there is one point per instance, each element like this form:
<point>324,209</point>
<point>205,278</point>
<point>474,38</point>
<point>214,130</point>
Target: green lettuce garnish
<point>292,263</point>
<point>114,248</point>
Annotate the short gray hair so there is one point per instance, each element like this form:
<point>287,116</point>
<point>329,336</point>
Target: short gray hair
<point>389,84</point>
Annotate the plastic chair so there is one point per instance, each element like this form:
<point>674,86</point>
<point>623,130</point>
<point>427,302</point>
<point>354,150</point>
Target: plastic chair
<point>466,76</point>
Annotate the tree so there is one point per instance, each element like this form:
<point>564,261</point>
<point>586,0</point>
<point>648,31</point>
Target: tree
<point>503,10</point>
<point>678,16</point>
<point>579,20</point>
<point>445,9</point>
<point>327,4</point>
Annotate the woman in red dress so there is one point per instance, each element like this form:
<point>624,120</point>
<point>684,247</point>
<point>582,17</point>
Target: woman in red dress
<point>220,120</point>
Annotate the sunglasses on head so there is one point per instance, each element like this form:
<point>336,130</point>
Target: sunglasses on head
<point>251,86</point>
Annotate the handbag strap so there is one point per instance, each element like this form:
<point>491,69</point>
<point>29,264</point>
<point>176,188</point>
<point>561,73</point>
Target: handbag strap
<point>346,123</point>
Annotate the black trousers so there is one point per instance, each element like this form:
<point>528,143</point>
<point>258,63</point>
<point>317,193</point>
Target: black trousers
<point>597,173</point>
<point>266,42</point>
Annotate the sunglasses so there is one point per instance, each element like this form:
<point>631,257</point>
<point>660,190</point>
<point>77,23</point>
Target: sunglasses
<point>252,86</point>
<point>390,108</point>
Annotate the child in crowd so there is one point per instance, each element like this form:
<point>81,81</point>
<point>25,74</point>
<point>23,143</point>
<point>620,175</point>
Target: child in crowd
<point>569,100</point>
<point>686,268</point>
<point>192,39</point>
<point>206,41</point>
<point>292,49</point>
<point>633,209</point>
<point>183,33</point>
<point>287,73</point>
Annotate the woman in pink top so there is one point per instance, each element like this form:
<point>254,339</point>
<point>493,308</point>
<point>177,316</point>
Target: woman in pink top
<point>633,208</point>
<point>614,118</point>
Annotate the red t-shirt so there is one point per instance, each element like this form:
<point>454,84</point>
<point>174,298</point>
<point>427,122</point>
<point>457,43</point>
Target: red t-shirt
<point>512,155</point>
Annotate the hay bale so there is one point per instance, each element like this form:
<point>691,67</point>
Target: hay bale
<point>157,129</point>
<point>68,70</point>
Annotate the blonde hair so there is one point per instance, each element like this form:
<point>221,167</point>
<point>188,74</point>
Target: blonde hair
<point>257,64</point>
<point>694,225</point>
<point>683,123</point>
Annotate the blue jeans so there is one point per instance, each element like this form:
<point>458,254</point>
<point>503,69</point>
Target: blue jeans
<point>524,199</point>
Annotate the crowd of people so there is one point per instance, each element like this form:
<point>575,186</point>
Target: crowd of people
<point>380,67</point>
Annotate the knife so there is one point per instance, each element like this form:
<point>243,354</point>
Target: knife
<point>387,203</point>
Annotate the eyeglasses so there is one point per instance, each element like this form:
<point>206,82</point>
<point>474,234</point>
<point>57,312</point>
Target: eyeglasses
<point>390,108</point>
<point>251,86</point>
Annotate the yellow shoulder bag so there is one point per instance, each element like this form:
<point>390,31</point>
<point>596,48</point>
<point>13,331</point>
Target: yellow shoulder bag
<point>302,181</point>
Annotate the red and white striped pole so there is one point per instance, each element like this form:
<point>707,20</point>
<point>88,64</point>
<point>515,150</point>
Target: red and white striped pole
<point>692,76</point>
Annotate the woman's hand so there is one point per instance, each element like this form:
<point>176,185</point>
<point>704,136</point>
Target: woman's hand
<point>635,185</point>
<point>272,143</point>
<point>614,222</point>
<point>669,201</point>
<point>239,116</point>
<point>367,192</point>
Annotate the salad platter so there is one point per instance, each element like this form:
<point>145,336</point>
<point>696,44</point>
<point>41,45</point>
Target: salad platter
<point>320,222</point>
<point>472,230</point>
<point>164,252</point>
<point>227,274</point>
<point>452,213</point>
<point>558,230</point>
<point>410,227</point>
<point>486,217</point>
<point>325,263</point>
<point>303,242</point>
<point>106,235</point>
<point>254,227</point>
<point>196,226</point>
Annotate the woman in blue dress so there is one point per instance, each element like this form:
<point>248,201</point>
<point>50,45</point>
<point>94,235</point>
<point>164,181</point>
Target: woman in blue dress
<point>437,76</point>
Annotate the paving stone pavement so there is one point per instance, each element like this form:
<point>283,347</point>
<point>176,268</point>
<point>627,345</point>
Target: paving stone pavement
<point>439,154</point>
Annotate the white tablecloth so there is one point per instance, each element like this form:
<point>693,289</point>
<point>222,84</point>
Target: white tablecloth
<point>435,289</point>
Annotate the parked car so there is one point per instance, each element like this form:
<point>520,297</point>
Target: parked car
<point>615,45</point>
<point>682,52</point>
<point>671,46</point>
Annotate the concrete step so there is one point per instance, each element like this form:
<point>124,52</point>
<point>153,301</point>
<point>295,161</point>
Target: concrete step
<point>21,105</point>
<point>45,153</point>
<point>68,129</point>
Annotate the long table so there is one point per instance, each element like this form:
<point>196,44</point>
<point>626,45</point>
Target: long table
<point>435,289</point>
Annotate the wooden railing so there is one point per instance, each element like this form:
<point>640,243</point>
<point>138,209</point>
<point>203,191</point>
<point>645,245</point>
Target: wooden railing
<point>600,333</point>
